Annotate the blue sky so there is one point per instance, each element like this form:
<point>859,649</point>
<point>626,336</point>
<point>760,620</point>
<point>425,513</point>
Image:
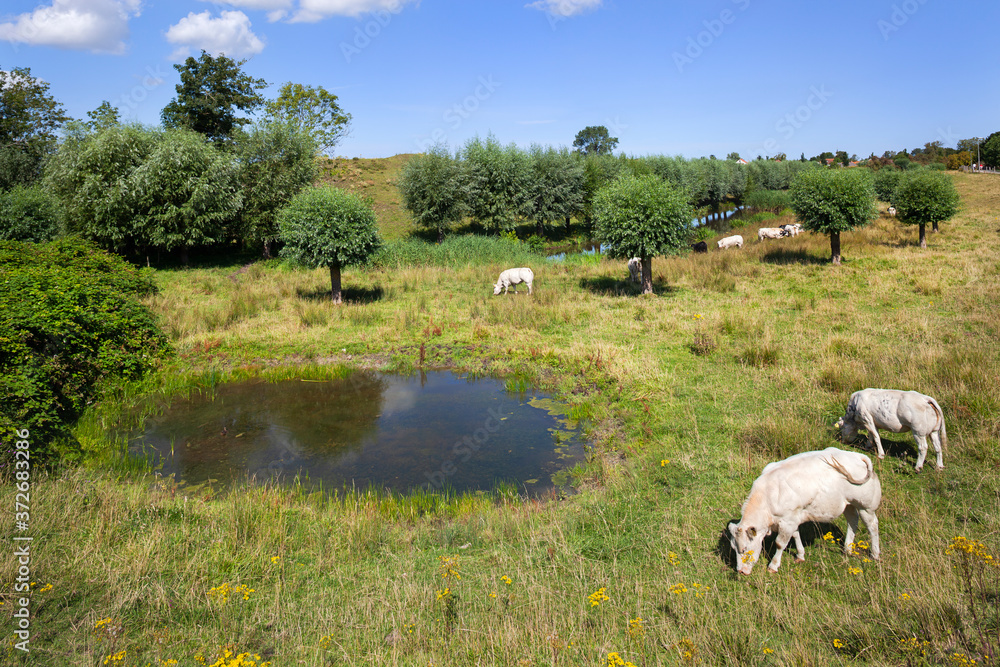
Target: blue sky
<point>687,78</point>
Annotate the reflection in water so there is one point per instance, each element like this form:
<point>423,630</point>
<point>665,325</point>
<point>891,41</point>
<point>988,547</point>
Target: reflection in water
<point>398,433</point>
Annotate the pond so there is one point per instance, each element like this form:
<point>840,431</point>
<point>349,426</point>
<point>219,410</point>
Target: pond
<point>433,430</point>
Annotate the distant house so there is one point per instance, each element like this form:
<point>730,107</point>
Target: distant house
<point>829,161</point>
<point>853,164</point>
<point>742,161</point>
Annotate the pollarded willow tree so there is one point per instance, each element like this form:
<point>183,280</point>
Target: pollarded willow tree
<point>327,226</point>
<point>923,197</point>
<point>831,201</point>
<point>435,190</point>
<point>644,217</point>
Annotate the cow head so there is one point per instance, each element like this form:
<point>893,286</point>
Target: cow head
<point>497,288</point>
<point>848,429</point>
<point>747,542</point>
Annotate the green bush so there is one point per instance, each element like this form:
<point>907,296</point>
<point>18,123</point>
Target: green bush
<point>29,214</point>
<point>774,201</point>
<point>937,166</point>
<point>885,181</point>
<point>70,320</point>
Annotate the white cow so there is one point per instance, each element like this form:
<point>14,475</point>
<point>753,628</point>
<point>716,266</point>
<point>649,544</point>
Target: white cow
<point>896,411</point>
<point>731,241</point>
<point>811,486</point>
<point>770,233</point>
<point>635,269</point>
<point>892,211</point>
<point>792,230</point>
<point>514,277</point>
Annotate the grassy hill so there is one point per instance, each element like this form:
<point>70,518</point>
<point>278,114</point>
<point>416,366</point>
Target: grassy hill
<point>374,178</point>
<point>741,357</point>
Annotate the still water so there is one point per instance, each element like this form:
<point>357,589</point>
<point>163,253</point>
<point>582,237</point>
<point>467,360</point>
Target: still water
<point>430,430</point>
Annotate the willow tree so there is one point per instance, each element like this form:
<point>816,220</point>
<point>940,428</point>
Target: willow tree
<point>831,201</point>
<point>925,197</point>
<point>327,226</point>
<point>644,217</point>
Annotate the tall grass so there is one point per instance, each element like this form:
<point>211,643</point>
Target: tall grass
<point>455,252</point>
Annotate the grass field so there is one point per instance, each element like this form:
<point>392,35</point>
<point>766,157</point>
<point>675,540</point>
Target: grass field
<point>740,358</point>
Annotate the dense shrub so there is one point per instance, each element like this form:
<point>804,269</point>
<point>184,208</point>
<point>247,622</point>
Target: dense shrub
<point>69,320</point>
<point>28,214</point>
<point>773,201</point>
<point>499,179</point>
<point>885,181</point>
<point>435,190</point>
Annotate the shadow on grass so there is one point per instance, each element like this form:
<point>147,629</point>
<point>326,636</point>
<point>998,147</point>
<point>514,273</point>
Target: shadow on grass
<point>356,295</point>
<point>810,532</point>
<point>609,286</point>
<point>904,450</point>
<point>787,256</point>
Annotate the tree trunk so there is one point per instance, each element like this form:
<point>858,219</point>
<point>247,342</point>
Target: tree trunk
<point>923,236</point>
<point>267,249</point>
<point>835,248</point>
<point>567,223</point>
<point>541,228</point>
<point>335,295</point>
<point>440,234</point>
<point>184,255</point>
<point>934,226</point>
<point>647,275</point>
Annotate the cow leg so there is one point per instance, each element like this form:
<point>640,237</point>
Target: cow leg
<point>529,288</point>
<point>851,514</point>
<point>800,555</point>
<point>779,547</point>
<point>936,439</point>
<point>873,435</point>
<point>921,449</point>
<point>871,523</point>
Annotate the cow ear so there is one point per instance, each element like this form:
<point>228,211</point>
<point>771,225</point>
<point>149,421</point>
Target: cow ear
<point>751,532</point>
<point>732,528</point>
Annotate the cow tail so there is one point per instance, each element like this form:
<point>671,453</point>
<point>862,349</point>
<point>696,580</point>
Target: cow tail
<point>940,414</point>
<point>839,467</point>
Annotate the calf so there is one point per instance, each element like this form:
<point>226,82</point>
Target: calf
<point>770,233</point>
<point>700,246</point>
<point>811,486</point>
<point>735,241</point>
<point>899,412</point>
<point>792,230</point>
<point>514,277</point>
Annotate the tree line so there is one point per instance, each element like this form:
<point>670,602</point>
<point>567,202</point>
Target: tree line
<point>208,175</point>
<point>499,187</point>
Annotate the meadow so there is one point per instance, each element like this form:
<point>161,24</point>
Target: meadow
<point>739,358</point>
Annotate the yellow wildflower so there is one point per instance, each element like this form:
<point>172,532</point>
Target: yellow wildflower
<point>507,580</point>
<point>598,596</point>
<point>838,644</point>
<point>673,558</point>
<point>636,628</point>
<point>664,462</point>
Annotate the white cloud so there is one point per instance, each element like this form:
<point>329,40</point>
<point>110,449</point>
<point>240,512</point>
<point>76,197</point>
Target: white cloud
<point>276,9</point>
<point>311,11</point>
<point>565,7</point>
<point>229,34</point>
<point>100,26</point>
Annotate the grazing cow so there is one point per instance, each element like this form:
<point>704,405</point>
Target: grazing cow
<point>792,230</point>
<point>700,246</point>
<point>896,411</point>
<point>731,241</point>
<point>514,277</point>
<point>892,211</point>
<point>811,486</point>
<point>635,269</point>
<point>770,233</point>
